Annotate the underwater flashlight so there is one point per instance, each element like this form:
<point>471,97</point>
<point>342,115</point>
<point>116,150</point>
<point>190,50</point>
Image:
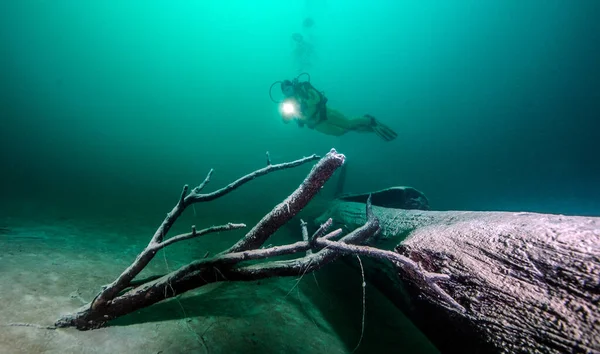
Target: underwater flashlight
<point>289,108</point>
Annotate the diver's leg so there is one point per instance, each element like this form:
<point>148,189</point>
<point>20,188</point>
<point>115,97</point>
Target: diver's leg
<point>330,129</point>
<point>360,124</point>
<point>334,124</point>
<point>336,118</point>
<point>368,124</point>
<point>365,124</point>
<point>337,124</point>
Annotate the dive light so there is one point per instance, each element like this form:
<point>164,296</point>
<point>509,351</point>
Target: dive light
<point>289,108</point>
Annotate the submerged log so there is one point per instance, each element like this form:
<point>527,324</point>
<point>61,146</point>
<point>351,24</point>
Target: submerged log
<point>394,197</point>
<point>528,282</point>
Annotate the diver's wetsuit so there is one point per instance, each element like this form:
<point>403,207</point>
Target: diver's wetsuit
<point>316,115</point>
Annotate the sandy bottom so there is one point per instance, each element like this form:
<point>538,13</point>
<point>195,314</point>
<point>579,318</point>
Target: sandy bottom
<point>52,267</point>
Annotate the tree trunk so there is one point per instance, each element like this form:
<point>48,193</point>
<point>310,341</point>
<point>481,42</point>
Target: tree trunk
<point>527,282</point>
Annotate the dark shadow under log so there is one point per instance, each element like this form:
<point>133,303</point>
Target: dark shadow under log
<point>528,282</point>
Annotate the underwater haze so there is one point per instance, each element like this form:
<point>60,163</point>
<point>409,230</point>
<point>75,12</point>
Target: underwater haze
<point>108,108</point>
<point>111,106</point>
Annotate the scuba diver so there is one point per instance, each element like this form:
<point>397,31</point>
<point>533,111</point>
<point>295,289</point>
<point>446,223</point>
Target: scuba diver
<point>308,107</point>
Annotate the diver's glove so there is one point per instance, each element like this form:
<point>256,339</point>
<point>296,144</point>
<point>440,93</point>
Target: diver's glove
<point>383,131</point>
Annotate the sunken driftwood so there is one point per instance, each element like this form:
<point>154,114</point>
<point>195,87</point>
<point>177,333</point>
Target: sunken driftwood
<point>126,295</point>
<point>528,283</point>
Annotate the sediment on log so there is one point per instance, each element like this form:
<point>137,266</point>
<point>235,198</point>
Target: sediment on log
<point>528,282</point>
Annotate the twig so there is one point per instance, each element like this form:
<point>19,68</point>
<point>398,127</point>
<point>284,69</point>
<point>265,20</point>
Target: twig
<point>194,233</point>
<point>322,229</point>
<point>261,253</point>
<point>303,225</point>
<point>403,263</point>
<point>196,197</point>
<point>201,186</point>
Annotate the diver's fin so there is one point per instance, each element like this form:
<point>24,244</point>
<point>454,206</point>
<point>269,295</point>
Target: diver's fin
<point>383,131</point>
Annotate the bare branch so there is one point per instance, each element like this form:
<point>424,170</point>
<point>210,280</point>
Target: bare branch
<point>196,198</point>
<point>332,234</point>
<point>201,186</point>
<point>305,264</point>
<point>292,205</point>
<point>345,248</point>
<point>147,254</point>
<point>242,256</point>
<point>194,233</point>
<point>303,225</point>
<point>183,193</point>
<point>200,273</point>
<point>208,271</point>
<point>403,263</point>
<point>237,257</point>
<point>112,302</point>
<point>322,229</point>
<point>268,159</point>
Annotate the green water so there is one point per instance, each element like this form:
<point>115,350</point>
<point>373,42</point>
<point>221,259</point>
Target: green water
<point>108,107</point>
<point>495,102</point>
